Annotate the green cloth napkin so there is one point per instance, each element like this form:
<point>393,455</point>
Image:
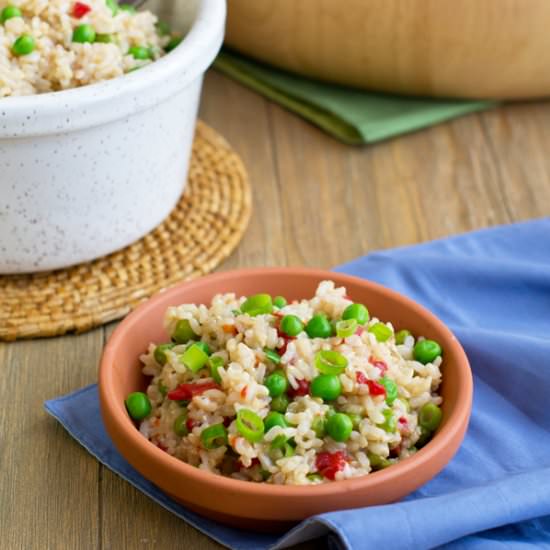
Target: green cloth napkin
<point>351,115</point>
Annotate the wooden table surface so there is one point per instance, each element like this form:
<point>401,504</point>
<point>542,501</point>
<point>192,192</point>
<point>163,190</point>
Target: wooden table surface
<point>316,203</point>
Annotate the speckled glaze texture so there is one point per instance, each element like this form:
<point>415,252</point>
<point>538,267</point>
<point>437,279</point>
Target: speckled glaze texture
<point>88,171</point>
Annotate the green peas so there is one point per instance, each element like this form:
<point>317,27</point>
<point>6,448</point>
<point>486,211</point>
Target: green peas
<point>10,12</point>
<point>280,403</point>
<point>273,356</point>
<point>24,45</point>
<point>104,38</point>
<point>355,420</point>
<point>378,462</point>
<point>175,41</point>
<point>429,417</point>
<point>84,33</point>
<point>315,478</point>
<point>138,405</point>
<point>180,425</point>
<point>140,52</point>
<point>163,28</point>
<point>319,426</point>
<point>391,389</point>
<point>401,336</point>
<point>319,327</point>
<point>274,419</point>
<point>358,312</point>
<point>160,353</point>
<point>214,436</point>
<point>183,332</point>
<point>425,436</point>
<point>381,331</point>
<point>112,5</point>
<point>426,351</point>
<point>279,301</point>
<point>204,346</point>
<point>276,383</point>
<point>291,325</point>
<point>326,386</point>
<point>339,427</point>
<point>214,363</point>
<point>194,358</point>
<point>259,304</point>
<point>390,422</point>
<point>127,8</point>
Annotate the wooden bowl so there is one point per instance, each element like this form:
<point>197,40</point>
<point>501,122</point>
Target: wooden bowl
<point>466,48</point>
<point>262,506</point>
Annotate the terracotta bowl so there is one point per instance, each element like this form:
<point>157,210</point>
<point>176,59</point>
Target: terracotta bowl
<point>262,506</point>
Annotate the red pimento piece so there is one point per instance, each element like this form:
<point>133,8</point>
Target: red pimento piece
<point>80,10</point>
<point>190,424</point>
<point>230,329</point>
<point>378,363</point>
<point>185,392</point>
<point>302,389</point>
<point>375,388</point>
<point>329,464</point>
<point>361,378</point>
<point>286,340</point>
<point>243,392</point>
<point>403,420</point>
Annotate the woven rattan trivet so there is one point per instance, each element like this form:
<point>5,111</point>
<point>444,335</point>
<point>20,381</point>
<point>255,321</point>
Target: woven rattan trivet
<point>204,228</point>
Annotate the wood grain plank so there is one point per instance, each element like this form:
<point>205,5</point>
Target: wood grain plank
<point>49,489</point>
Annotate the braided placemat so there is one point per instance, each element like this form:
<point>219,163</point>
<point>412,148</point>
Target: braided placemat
<point>204,228</point>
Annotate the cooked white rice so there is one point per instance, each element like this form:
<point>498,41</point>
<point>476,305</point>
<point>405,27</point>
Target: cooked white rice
<point>59,63</point>
<point>240,340</point>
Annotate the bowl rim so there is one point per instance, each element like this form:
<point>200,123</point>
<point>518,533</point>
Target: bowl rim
<point>175,466</point>
<point>93,104</point>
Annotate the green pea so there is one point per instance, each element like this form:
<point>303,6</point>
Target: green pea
<point>183,332</point>
<point>163,28</point>
<point>326,386</point>
<point>84,33</point>
<point>273,356</point>
<point>24,45</point>
<point>279,301</point>
<point>426,351</point>
<point>104,38</point>
<point>391,389</point>
<point>274,418</point>
<point>291,325</point>
<point>259,304</point>
<point>175,41</point>
<point>9,12</point>
<point>401,336</point>
<point>378,462</point>
<point>381,331</point>
<point>315,478</point>
<point>358,312</point>
<point>339,427</point>
<point>127,8</point>
<point>112,5</point>
<point>280,403</point>
<point>319,426</point>
<point>276,383</point>
<point>140,52</point>
<point>138,405</point>
<point>390,422</point>
<point>204,346</point>
<point>319,327</point>
<point>180,425</point>
<point>430,416</point>
<point>355,420</point>
<point>160,353</point>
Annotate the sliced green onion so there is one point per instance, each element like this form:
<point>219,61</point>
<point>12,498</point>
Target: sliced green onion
<point>259,304</point>
<point>180,425</point>
<point>204,346</point>
<point>214,363</point>
<point>163,28</point>
<point>273,356</point>
<point>378,462</point>
<point>104,38</point>
<point>289,450</point>
<point>391,389</point>
<point>330,362</point>
<point>279,442</point>
<point>128,8</point>
<point>112,5</point>
<point>381,331</point>
<point>390,423</point>
<point>194,358</point>
<point>250,425</point>
<point>214,436</point>
<point>183,332</point>
<point>318,426</point>
<point>346,328</point>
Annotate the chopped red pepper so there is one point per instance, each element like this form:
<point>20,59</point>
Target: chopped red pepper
<point>80,10</point>
<point>230,329</point>
<point>185,392</point>
<point>378,363</point>
<point>190,424</point>
<point>243,392</point>
<point>361,378</point>
<point>403,420</point>
<point>286,341</point>
<point>375,388</point>
<point>328,464</point>
<point>302,389</point>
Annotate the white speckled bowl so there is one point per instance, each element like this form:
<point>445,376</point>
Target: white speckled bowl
<point>85,172</point>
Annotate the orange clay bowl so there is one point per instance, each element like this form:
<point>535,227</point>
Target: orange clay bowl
<point>265,507</point>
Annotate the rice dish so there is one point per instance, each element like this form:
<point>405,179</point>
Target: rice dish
<point>299,393</point>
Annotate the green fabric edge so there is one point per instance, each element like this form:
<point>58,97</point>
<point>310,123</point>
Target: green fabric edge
<point>249,73</point>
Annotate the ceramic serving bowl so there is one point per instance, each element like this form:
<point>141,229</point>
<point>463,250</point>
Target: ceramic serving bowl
<point>88,171</point>
<point>262,506</point>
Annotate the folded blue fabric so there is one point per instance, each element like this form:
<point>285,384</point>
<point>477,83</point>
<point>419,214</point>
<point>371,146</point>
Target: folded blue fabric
<point>492,287</point>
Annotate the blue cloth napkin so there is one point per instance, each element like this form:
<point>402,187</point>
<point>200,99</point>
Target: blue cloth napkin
<point>492,287</point>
